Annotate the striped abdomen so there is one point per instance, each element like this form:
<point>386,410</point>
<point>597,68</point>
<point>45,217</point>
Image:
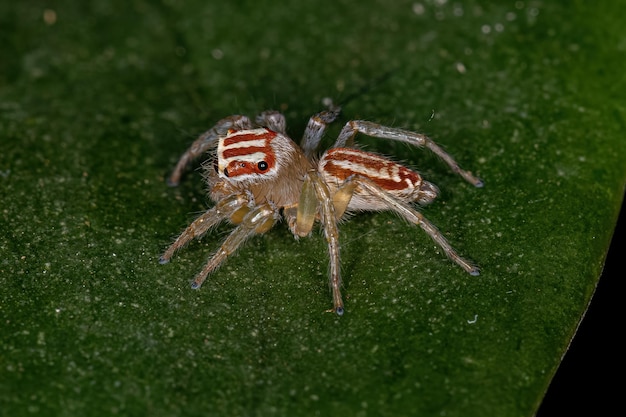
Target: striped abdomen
<point>338,164</point>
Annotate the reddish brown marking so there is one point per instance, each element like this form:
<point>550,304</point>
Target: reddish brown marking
<point>229,153</point>
<point>361,162</point>
<point>242,167</point>
<point>233,137</point>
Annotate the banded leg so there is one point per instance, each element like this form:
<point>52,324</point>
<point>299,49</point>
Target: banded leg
<point>206,141</point>
<point>331,232</point>
<point>316,127</point>
<point>230,207</point>
<point>349,131</point>
<point>415,217</point>
<point>273,120</point>
<point>258,220</point>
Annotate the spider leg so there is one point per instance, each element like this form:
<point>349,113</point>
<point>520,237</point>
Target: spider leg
<point>258,220</point>
<point>415,217</point>
<point>331,232</point>
<point>206,141</point>
<point>273,120</point>
<point>316,127</point>
<point>229,207</point>
<point>349,131</point>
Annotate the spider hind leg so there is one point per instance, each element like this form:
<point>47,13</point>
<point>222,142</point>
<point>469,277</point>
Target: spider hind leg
<point>349,131</point>
<point>367,186</point>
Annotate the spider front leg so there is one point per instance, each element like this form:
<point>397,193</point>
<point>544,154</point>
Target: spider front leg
<point>232,207</point>
<point>206,141</point>
<point>349,131</point>
<point>259,220</point>
<point>315,193</point>
<point>413,216</point>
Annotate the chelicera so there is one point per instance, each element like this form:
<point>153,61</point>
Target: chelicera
<point>257,175</point>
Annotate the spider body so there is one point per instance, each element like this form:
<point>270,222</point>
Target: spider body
<point>339,164</point>
<point>266,164</point>
<point>257,175</point>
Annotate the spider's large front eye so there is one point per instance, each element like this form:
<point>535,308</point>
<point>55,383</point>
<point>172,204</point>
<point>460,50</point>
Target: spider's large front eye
<point>262,166</point>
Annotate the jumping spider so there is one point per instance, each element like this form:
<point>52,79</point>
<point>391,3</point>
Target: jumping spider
<point>256,174</point>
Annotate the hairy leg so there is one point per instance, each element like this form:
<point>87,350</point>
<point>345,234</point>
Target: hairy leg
<point>316,127</point>
<point>259,220</point>
<point>349,131</point>
<point>273,120</point>
<point>223,210</point>
<point>415,217</point>
<point>205,142</point>
<point>331,232</point>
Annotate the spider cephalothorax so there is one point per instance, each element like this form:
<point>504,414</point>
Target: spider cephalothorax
<point>257,175</point>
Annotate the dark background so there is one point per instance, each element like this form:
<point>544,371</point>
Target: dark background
<point>588,379</point>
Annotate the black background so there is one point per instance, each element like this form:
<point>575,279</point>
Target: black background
<point>591,373</point>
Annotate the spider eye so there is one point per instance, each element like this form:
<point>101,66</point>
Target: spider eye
<point>225,172</point>
<point>262,165</point>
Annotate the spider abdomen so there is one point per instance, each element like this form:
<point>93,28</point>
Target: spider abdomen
<point>338,164</point>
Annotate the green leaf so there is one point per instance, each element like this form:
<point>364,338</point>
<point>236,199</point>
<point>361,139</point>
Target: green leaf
<point>99,99</point>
